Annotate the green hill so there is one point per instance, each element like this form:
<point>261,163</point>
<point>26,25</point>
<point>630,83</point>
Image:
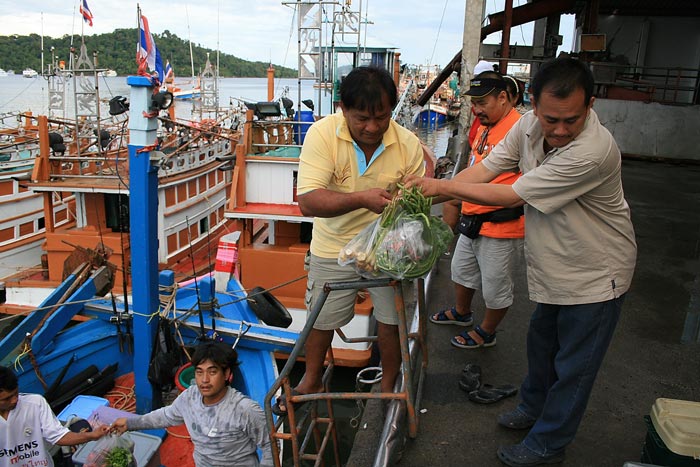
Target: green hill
<point>117,50</point>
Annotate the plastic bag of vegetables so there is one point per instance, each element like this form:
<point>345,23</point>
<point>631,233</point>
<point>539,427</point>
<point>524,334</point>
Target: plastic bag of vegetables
<point>403,243</point>
<point>112,451</point>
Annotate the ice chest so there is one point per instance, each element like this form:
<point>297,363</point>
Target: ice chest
<point>82,407</point>
<point>673,433</point>
<point>145,450</point>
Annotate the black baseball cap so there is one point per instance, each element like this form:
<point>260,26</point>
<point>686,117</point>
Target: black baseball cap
<point>480,87</point>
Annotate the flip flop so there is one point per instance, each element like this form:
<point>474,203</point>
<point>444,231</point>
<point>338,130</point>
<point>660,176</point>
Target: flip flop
<point>488,394</point>
<point>282,402</point>
<point>470,380</point>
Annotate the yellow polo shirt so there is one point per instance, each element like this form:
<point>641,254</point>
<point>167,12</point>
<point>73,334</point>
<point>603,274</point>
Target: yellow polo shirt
<point>329,160</point>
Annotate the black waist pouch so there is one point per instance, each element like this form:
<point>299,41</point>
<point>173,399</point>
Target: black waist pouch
<point>470,225</point>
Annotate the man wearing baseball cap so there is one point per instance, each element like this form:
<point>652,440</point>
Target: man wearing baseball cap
<point>491,236</point>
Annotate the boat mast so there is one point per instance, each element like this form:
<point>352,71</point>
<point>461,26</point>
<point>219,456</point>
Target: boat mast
<point>189,38</point>
<point>42,44</point>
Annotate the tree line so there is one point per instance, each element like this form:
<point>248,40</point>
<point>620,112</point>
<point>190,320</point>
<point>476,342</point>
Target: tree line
<point>117,51</point>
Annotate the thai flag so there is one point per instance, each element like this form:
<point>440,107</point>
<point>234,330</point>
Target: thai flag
<point>146,50</point>
<point>85,11</point>
<point>169,73</point>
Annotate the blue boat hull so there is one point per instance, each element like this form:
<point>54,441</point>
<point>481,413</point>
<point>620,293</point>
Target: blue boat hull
<point>431,118</point>
<point>95,341</point>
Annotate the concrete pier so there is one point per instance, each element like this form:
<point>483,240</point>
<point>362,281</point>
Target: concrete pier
<point>655,352</point>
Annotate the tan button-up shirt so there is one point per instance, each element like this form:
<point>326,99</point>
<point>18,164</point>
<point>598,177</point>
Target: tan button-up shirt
<point>579,240</point>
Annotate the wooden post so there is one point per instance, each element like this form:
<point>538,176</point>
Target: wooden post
<point>270,83</point>
<point>471,42</point>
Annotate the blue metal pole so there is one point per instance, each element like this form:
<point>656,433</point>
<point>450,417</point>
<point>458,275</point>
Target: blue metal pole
<point>143,218</point>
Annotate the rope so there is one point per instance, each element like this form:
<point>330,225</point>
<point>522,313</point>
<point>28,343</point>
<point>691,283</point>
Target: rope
<point>437,37</point>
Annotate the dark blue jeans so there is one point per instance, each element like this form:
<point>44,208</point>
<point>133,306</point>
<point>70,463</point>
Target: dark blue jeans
<point>565,348</point>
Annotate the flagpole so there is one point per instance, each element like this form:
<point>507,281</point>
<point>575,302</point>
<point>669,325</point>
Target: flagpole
<point>42,44</point>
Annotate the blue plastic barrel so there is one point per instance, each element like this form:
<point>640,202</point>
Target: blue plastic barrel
<point>301,129</point>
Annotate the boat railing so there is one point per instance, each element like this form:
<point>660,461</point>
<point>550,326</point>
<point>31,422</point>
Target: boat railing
<point>177,152</point>
<point>407,389</point>
<point>275,135</point>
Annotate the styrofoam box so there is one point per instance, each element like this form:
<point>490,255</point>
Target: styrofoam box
<point>677,423</point>
<point>81,407</point>
<point>145,450</point>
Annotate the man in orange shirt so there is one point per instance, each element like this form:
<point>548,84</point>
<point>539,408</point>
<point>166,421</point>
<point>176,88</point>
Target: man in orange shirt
<point>491,236</point>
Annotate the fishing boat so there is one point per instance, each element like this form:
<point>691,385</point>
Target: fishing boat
<point>443,104</point>
<point>188,93</point>
<point>23,225</point>
<point>107,73</point>
<point>78,341</point>
<point>3,73</point>
<point>85,157</point>
<point>29,73</point>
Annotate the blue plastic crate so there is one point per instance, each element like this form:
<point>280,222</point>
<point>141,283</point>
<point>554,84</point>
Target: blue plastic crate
<point>82,407</point>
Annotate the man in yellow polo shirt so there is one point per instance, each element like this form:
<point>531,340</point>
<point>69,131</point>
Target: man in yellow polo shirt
<point>350,165</point>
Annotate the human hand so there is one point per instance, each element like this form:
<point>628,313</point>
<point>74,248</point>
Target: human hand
<point>119,426</point>
<point>428,186</point>
<point>376,199</point>
<point>100,431</point>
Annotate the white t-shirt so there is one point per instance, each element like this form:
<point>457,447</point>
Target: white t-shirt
<point>25,431</point>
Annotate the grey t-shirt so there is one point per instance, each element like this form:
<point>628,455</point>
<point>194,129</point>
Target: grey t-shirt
<point>223,434</point>
<point>579,240</point>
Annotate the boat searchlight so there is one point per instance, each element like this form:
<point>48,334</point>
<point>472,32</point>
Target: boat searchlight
<point>161,100</point>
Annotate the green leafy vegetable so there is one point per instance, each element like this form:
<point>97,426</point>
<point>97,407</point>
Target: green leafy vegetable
<point>404,242</point>
<point>119,457</point>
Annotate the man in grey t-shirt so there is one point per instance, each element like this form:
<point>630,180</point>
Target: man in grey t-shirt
<point>225,426</point>
<point>579,245</point>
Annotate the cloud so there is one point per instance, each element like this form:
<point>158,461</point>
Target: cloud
<point>260,30</point>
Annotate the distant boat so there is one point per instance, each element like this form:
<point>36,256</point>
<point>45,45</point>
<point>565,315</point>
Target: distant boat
<point>3,73</point>
<point>10,72</point>
<point>432,115</point>
<point>183,94</point>
<point>108,73</point>
<point>29,73</point>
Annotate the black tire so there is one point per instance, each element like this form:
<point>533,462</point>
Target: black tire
<point>269,309</point>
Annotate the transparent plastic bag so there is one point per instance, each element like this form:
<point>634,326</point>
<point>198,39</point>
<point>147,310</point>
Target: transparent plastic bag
<point>359,252</point>
<point>405,248</point>
<point>406,244</point>
<point>112,451</point>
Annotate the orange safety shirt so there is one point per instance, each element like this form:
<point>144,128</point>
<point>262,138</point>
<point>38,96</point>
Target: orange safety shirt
<point>486,138</point>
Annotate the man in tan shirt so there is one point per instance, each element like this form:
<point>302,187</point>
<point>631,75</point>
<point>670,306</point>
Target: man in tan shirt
<point>579,245</point>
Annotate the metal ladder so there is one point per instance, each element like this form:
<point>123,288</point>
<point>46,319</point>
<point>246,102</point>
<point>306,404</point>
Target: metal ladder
<point>322,429</point>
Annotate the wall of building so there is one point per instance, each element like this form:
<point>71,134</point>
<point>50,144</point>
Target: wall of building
<point>652,41</point>
<point>652,129</point>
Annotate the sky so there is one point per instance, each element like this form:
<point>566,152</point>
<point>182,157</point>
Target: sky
<point>265,30</point>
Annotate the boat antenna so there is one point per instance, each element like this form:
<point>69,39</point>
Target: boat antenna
<point>189,38</point>
<point>42,43</point>
<point>218,16</point>
<point>196,284</point>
